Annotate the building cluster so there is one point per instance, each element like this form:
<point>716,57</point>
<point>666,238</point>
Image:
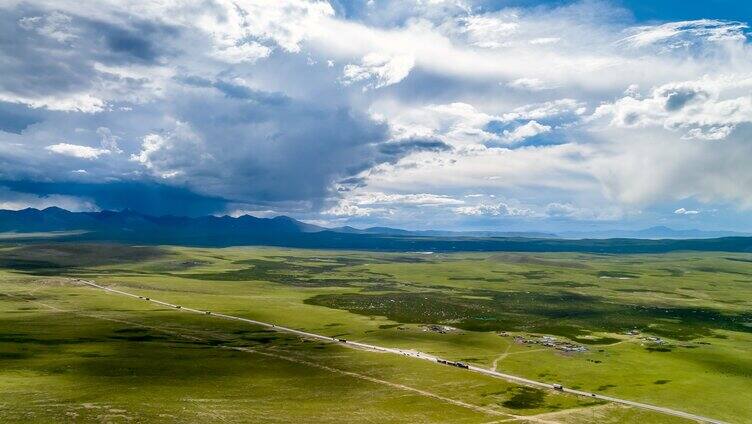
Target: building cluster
<point>653,340</point>
<point>551,342</point>
<point>441,329</point>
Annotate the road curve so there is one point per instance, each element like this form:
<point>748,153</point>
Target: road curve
<point>415,354</point>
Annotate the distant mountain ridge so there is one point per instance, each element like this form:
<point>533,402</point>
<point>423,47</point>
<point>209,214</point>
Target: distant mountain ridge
<point>218,231</point>
<point>657,232</point>
<point>57,219</point>
<point>441,233</point>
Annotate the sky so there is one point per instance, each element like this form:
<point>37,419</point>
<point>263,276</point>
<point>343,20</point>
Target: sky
<point>422,114</point>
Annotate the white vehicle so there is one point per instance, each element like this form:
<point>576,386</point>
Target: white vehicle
<point>557,386</point>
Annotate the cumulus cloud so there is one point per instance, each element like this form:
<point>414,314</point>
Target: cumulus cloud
<point>456,124</point>
<point>347,209</point>
<point>77,54</point>
<point>417,199</point>
<point>365,203</point>
<point>76,151</point>
<point>683,211</point>
<point>248,52</point>
<point>465,127</point>
<point>498,209</point>
<point>169,155</point>
<point>377,70</point>
<point>708,108</point>
<point>550,109</point>
<point>530,129</point>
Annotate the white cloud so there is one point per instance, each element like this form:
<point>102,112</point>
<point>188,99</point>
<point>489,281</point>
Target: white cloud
<point>345,208</point>
<point>248,52</point>
<point>533,84</point>
<point>549,109</point>
<point>173,153</point>
<point>417,199</point>
<point>709,133</point>
<point>75,102</point>
<point>377,70</point>
<point>489,31</point>
<point>707,108</point>
<point>77,151</point>
<point>458,124</point>
<point>366,203</point>
<point>109,141</point>
<point>545,40</point>
<point>236,25</point>
<point>464,126</point>
<point>683,211</point>
<point>530,129</point>
<point>675,35</point>
<point>56,26</point>
<point>498,209</point>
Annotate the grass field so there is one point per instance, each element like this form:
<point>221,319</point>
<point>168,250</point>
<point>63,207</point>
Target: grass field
<point>673,330</point>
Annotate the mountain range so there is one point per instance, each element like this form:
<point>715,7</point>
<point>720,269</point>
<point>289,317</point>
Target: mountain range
<point>658,232</point>
<point>128,226</point>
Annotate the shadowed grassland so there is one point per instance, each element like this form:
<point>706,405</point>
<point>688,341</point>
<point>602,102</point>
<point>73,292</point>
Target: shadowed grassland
<point>564,314</point>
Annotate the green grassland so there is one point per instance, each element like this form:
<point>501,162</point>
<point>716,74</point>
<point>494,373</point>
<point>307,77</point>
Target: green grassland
<point>73,353</point>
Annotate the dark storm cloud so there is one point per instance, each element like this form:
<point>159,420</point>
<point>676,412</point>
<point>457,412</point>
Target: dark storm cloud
<point>210,135</point>
<point>30,62</point>
<point>140,40</point>
<point>274,148</point>
<point>235,91</point>
<point>401,148</point>
<point>15,118</point>
<point>143,196</point>
<point>46,53</point>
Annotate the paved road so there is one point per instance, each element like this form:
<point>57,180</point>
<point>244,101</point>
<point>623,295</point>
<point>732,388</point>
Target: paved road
<point>417,355</point>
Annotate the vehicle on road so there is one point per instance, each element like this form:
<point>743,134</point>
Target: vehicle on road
<point>557,386</point>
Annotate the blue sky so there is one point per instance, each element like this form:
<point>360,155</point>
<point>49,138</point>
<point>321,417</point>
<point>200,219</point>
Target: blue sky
<point>681,10</point>
<point>456,114</point>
